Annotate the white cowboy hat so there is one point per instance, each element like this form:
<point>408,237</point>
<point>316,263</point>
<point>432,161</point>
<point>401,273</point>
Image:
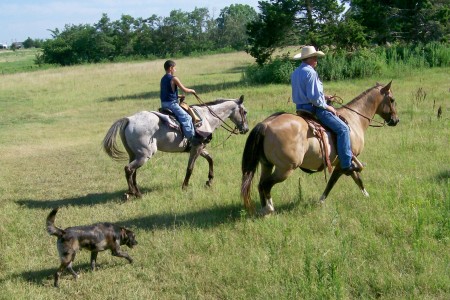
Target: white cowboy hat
<point>308,51</point>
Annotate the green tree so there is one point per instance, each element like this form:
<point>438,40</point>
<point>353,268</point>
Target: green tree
<point>288,22</point>
<point>402,20</point>
<point>123,34</point>
<point>198,39</point>
<point>232,25</point>
<point>144,38</point>
<point>173,34</point>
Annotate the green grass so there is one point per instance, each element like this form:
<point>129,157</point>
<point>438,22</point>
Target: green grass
<point>199,244</point>
<point>21,60</point>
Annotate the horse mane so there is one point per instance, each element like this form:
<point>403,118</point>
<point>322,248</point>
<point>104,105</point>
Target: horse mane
<point>214,102</point>
<point>363,94</point>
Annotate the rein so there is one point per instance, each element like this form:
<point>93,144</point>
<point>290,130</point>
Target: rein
<point>224,125</point>
<point>340,101</point>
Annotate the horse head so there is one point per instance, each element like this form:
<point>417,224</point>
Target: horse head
<point>239,116</point>
<point>387,109</point>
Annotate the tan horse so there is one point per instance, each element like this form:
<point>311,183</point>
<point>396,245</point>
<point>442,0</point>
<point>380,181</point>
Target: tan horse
<point>286,142</point>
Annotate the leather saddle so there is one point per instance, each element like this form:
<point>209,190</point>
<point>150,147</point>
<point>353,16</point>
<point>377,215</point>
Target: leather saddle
<point>320,132</point>
<point>196,119</point>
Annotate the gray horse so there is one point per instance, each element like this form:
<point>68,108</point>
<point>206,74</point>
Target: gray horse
<point>145,132</point>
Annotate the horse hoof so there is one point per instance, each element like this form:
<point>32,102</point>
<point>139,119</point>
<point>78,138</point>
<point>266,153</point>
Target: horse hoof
<point>322,199</point>
<point>126,197</point>
<point>266,211</point>
<point>208,184</point>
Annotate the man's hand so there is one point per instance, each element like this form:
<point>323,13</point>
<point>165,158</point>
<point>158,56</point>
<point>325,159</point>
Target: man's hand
<point>332,110</point>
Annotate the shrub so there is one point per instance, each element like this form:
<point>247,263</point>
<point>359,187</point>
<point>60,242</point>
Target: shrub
<point>362,63</point>
<point>277,71</point>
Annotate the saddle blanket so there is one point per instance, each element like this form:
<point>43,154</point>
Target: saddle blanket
<point>204,130</point>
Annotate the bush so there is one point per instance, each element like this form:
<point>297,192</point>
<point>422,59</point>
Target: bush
<point>362,63</point>
<point>277,71</point>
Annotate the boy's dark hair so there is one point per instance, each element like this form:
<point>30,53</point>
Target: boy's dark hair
<point>168,64</point>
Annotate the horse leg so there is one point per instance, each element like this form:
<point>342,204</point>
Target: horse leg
<point>208,157</point>
<point>194,154</point>
<point>130,175</point>
<point>330,184</point>
<point>357,178</point>
<point>138,192</point>
<point>267,181</point>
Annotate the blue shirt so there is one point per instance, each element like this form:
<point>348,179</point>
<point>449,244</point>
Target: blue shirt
<point>166,92</point>
<point>307,87</point>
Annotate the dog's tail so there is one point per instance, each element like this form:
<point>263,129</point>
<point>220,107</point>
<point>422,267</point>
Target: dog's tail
<point>51,228</point>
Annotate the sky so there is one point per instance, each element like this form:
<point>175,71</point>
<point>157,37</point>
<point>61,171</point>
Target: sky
<point>20,19</point>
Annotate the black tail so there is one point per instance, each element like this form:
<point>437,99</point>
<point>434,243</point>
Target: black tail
<point>51,228</point>
<point>253,152</point>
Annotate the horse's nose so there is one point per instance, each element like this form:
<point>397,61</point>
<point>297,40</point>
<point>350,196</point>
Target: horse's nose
<point>393,122</point>
<point>244,130</point>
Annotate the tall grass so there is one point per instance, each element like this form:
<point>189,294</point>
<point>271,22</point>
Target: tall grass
<point>199,244</point>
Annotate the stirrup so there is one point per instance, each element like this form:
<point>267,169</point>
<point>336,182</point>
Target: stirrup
<point>358,163</point>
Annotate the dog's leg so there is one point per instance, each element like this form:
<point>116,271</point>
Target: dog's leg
<point>58,274</point>
<point>118,253</point>
<point>64,264</point>
<point>93,260</point>
<point>75,274</point>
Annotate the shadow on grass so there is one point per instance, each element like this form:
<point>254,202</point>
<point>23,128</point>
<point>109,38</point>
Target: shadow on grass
<point>443,176</point>
<point>87,200</point>
<point>204,219</point>
<point>46,276</point>
<point>203,88</point>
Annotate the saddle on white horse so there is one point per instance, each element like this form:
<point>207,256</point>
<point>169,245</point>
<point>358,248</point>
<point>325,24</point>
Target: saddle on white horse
<point>201,125</point>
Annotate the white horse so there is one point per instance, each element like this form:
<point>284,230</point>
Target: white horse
<point>145,132</point>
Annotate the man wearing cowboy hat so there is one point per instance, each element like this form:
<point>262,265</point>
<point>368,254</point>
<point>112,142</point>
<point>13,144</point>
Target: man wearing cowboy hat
<point>307,94</point>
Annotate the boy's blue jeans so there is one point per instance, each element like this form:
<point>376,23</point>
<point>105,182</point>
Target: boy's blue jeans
<point>338,126</point>
<point>182,116</point>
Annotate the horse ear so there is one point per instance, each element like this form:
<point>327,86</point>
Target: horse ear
<point>241,99</point>
<point>386,88</point>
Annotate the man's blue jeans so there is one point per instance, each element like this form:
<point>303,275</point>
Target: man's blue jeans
<point>338,126</point>
<point>182,116</point>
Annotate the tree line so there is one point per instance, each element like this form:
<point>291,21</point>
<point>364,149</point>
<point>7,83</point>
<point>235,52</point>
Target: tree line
<point>180,33</point>
<point>334,24</point>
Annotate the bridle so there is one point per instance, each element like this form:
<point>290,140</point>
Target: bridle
<point>224,124</point>
<point>371,120</point>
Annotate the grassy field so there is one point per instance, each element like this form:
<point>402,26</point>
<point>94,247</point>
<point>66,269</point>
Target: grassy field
<point>200,244</point>
<point>21,60</point>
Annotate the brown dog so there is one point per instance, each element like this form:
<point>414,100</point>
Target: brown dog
<point>95,238</point>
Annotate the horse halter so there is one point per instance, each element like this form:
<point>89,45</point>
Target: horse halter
<point>224,124</point>
<point>371,120</point>
<point>243,115</point>
<point>390,102</point>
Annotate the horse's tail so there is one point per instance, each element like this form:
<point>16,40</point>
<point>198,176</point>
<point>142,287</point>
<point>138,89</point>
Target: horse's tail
<point>109,142</point>
<point>253,152</point>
